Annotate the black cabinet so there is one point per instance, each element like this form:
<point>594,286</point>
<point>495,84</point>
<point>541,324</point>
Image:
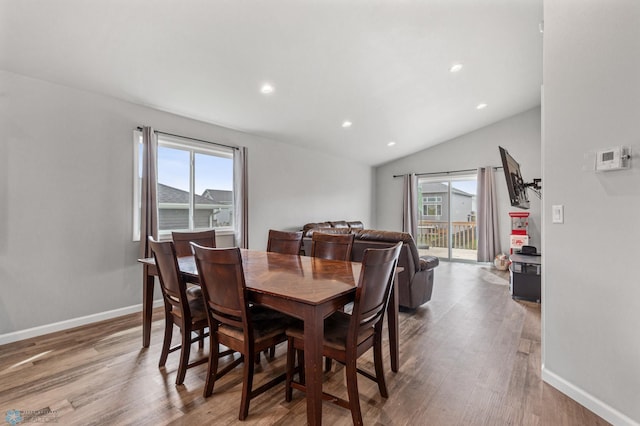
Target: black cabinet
<point>525,271</point>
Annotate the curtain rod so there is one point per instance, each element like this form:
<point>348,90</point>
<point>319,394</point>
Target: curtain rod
<point>449,172</point>
<point>192,139</point>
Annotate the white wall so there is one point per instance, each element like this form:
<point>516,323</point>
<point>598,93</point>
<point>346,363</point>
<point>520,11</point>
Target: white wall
<point>66,197</point>
<point>591,310</point>
<point>519,134</point>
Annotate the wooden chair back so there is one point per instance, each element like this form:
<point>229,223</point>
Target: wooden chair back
<point>181,241</point>
<point>223,285</point>
<point>284,242</point>
<point>332,246</point>
<point>171,282</point>
<point>374,288</point>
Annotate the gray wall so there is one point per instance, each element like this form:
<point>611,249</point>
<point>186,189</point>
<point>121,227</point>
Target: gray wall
<point>591,310</point>
<point>461,207</point>
<point>66,170</point>
<point>519,134</point>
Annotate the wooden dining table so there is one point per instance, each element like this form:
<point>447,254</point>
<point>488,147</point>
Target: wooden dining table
<point>304,287</point>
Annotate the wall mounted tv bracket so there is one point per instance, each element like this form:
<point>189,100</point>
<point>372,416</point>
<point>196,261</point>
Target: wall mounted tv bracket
<point>535,186</point>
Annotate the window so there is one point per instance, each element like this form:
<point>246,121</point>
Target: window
<point>432,205</point>
<point>194,187</point>
<point>432,210</point>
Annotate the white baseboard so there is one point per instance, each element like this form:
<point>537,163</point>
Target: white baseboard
<point>587,400</point>
<point>71,323</point>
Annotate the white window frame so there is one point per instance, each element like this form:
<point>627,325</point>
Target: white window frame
<point>438,207</point>
<point>137,171</point>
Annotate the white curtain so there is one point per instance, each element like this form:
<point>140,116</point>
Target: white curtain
<point>488,238</point>
<point>148,195</point>
<point>240,198</point>
<point>409,205</point>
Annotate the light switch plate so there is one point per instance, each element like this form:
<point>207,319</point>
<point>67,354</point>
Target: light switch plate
<point>557,213</point>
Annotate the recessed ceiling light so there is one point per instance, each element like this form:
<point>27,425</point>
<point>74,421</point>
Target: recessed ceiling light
<point>266,89</point>
<point>392,143</point>
<point>481,106</point>
<point>455,68</point>
<point>346,123</point>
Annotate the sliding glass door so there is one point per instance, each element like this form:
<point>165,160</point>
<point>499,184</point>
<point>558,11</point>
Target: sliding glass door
<point>447,217</point>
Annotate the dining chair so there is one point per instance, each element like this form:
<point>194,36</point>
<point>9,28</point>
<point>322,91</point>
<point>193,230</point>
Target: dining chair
<point>234,322</point>
<point>180,308</point>
<point>181,240</point>
<point>348,336</point>
<point>332,246</point>
<point>284,242</point>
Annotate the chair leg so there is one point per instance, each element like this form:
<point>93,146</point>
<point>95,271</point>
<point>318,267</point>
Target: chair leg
<point>377,360</point>
<point>291,356</point>
<point>301,364</point>
<point>247,384</point>
<point>201,339</point>
<point>352,390</point>
<point>212,369</point>
<point>328,362</point>
<point>184,355</point>
<point>168,335</point>
<point>272,351</point>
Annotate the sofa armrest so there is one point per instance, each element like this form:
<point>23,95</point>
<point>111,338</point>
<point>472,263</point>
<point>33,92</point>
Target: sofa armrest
<point>418,291</point>
<point>428,262</point>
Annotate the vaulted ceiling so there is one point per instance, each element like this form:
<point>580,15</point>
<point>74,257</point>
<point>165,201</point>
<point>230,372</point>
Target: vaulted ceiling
<point>384,66</point>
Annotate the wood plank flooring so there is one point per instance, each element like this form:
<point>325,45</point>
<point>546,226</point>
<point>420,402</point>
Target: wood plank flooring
<point>470,356</point>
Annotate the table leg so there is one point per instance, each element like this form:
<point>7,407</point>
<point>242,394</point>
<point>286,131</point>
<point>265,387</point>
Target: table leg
<point>313,337</point>
<point>392,322</point>
<point>147,305</point>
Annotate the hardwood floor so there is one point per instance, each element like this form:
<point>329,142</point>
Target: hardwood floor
<point>470,356</point>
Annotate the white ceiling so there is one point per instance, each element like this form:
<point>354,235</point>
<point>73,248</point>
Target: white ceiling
<point>384,65</point>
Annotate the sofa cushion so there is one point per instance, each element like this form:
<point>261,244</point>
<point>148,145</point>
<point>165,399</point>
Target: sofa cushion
<point>316,225</point>
<point>310,232</point>
<point>384,236</point>
<point>339,224</point>
<point>343,225</point>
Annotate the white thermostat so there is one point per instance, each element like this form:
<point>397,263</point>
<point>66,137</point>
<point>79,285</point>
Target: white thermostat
<point>617,158</point>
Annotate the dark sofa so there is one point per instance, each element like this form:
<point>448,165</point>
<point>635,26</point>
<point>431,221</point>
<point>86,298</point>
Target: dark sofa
<point>415,282</point>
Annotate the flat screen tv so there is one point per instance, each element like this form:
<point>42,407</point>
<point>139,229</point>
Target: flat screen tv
<point>515,183</point>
